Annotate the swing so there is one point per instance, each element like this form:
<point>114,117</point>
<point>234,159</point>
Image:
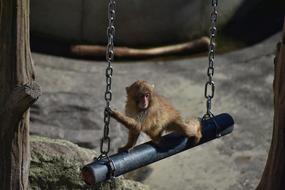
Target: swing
<point>107,167</point>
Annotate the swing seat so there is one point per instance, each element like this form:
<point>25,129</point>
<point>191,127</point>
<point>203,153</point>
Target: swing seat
<point>149,152</point>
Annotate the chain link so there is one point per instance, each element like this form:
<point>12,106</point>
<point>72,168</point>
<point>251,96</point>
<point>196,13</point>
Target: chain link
<point>105,140</point>
<point>210,85</point>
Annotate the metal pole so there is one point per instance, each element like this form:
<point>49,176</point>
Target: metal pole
<point>148,153</point>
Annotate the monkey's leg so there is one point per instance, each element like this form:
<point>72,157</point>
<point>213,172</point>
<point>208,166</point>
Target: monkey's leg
<point>128,122</point>
<point>191,129</point>
<point>132,139</point>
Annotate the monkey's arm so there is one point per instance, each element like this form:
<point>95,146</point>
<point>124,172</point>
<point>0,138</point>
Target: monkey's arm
<point>128,122</point>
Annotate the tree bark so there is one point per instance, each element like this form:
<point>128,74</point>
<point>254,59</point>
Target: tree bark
<point>274,174</point>
<point>17,93</point>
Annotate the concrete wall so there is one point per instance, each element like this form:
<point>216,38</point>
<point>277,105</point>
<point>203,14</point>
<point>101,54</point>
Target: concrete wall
<point>138,22</point>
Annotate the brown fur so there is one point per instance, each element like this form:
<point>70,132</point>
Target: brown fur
<point>159,116</point>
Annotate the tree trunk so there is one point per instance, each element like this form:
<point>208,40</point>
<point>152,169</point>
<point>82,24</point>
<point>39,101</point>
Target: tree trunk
<point>274,174</point>
<point>17,93</point>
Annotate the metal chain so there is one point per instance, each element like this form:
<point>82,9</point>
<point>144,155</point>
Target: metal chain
<point>210,85</point>
<point>106,141</point>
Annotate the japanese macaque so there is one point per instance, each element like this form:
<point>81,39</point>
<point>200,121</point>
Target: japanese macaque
<point>152,114</point>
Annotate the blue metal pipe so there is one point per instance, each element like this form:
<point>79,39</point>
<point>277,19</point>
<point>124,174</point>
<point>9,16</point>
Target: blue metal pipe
<point>149,152</point>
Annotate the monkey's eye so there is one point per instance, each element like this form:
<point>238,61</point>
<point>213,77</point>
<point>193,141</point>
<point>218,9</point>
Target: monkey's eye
<point>143,95</point>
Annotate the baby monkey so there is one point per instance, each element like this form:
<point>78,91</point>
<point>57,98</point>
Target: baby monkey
<point>152,114</point>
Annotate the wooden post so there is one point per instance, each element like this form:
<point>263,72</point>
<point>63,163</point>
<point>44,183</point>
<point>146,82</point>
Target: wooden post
<point>274,173</point>
<point>17,93</point>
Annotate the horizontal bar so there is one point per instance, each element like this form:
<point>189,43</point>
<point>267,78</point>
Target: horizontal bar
<point>149,152</point>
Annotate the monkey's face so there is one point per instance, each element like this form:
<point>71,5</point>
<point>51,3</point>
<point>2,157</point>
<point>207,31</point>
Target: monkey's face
<point>140,93</point>
<point>143,100</point>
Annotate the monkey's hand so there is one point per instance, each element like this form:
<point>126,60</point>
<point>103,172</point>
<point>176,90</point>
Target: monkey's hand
<point>109,110</point>
<point>123,149</point>
<point>114,113</point>
<point>156,139</point>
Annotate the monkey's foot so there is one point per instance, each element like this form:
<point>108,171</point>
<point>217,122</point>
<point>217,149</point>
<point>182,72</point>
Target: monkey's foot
<point>198,135</point>
<point>196,131</point>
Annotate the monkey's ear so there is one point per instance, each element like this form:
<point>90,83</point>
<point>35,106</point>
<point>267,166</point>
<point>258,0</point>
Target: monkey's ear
<point>152,86</point>
<point>127,89</point>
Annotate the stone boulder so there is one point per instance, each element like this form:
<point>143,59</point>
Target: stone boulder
<point>55,164</point>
